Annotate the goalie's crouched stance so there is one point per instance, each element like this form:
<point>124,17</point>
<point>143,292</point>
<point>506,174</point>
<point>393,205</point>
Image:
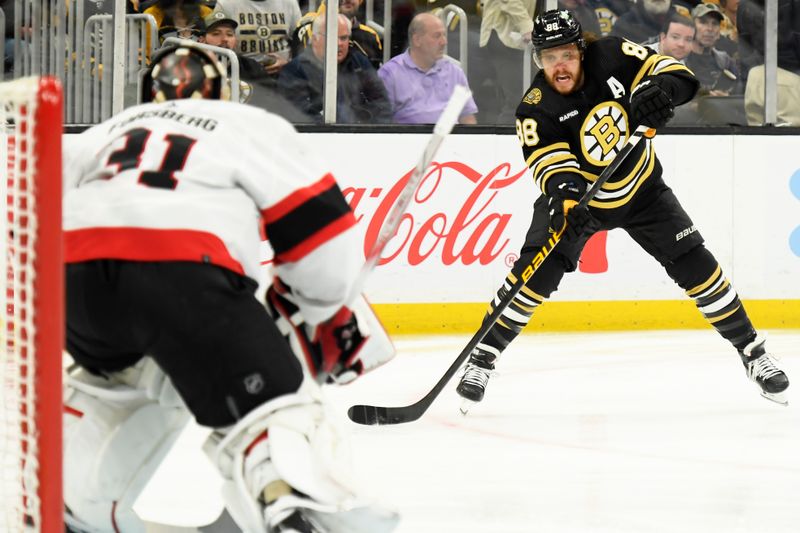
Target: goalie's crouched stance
<point>165,206</point>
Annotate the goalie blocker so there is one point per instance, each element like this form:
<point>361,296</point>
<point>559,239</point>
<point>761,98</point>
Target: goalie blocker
<point>339,350</point>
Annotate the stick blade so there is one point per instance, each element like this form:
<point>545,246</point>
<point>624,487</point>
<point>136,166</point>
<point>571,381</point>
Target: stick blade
<point>371,415</point>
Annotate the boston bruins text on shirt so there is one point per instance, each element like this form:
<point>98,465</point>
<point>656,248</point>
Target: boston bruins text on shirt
<point>582,132</point>
<point>265,26</point>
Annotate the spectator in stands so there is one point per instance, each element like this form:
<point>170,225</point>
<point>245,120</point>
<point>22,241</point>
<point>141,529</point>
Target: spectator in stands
<point>715,69</point>
<point>729,36</point>
<point>750,24</point>
<point>645,19</point>
<point>256,87</point>
<point>265,29</point>
<point>178,18</point>
<point>419,81</point>
<point>584,12</point>
<point>505,31</point>
<point>220,30</point>
<point>676,38</point>
<point>8,34</point>
<point>361,96</point>
<point>362,36</point>
<point>608,12</point>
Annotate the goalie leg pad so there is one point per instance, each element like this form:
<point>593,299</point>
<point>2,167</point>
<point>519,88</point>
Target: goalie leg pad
<point>115,437</point>
<point>284,455</point>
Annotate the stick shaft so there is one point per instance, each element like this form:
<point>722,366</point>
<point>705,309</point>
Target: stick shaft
<point>441,130</point>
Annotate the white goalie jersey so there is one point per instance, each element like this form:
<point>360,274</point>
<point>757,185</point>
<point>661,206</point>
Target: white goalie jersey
<point>240,173</point>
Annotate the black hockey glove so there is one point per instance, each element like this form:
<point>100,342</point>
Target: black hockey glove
<point>651,105</point>
<point>563,207</point>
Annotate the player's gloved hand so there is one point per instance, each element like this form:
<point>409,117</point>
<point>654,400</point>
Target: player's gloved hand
<point>563,208</point>
<point>651,105</point>
<point>339,339</point>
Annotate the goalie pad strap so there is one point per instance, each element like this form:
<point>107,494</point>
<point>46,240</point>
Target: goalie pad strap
<point>286,441</point>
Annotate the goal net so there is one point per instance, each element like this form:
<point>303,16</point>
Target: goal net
<point>32,320</point>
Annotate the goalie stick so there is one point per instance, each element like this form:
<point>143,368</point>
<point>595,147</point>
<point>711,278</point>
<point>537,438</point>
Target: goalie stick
<point>364,351</point>
<point>374,415</point>
<point>442,129</point>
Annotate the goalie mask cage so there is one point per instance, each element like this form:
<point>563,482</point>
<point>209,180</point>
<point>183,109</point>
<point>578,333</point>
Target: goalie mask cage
<point>32,323</point>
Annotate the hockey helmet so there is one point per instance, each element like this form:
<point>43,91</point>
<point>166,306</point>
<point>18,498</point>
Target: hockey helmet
<point>184,71</point>
<point>553,28</point>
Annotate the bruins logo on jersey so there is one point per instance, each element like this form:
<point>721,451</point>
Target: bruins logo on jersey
<point>603,133</point>
<point>533,97</point>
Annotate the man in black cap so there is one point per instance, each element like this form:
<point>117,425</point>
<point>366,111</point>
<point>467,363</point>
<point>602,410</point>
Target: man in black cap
<point>715,69</point>
<point>256,86</point>
<point>220,30</point>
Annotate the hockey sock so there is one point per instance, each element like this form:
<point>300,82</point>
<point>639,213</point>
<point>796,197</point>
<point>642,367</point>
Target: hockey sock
<point>720,305</point>
<point>514,318</point>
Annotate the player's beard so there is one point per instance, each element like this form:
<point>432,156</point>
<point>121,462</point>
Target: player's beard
<point>565,81</point>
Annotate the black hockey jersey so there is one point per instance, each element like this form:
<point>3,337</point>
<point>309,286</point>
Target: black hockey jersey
<point>580,133</point>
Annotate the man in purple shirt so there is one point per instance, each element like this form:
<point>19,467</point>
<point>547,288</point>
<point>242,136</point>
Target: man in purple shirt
<point>421,80</point>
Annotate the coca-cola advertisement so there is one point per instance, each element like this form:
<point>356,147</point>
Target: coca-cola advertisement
<point>467,219</point>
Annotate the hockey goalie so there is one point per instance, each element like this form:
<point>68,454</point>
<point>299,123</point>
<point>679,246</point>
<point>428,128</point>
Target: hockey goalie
<point>164,207</point>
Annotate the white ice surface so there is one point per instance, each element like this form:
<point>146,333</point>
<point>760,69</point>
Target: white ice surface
<point>614,432</point>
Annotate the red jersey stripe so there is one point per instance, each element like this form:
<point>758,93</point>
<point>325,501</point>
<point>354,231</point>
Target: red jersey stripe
<point>147,244</point>
<point>297,198</point>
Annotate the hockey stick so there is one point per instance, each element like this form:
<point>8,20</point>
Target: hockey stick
<point>442,129</point>
<point>374,415</point>
<point>317,364</point>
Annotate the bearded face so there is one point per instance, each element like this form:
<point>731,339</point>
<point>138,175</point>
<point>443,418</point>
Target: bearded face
<point>562,67</point>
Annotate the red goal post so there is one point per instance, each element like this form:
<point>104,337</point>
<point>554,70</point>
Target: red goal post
<point>32,320</point>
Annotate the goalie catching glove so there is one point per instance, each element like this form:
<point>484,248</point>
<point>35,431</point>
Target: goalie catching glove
<point>651,104</point>
<point>563,208</point>
<point>338,350</point>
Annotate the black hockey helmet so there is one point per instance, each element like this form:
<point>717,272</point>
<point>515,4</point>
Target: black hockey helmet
<point>184,71</point>
<point>553,28</point>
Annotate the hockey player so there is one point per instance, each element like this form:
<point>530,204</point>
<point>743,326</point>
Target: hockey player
<point>163,208</point>
<point>577,113</point>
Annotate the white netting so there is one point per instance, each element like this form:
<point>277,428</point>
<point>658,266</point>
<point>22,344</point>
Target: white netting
<point>19,500</point>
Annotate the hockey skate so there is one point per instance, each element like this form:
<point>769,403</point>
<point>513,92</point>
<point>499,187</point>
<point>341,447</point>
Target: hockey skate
<point>762,368</point>
<point>294,512</point>
<point>476,375</point>
<point>290,518</point>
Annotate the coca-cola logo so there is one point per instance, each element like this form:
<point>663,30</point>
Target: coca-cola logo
<point>474,233</point>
